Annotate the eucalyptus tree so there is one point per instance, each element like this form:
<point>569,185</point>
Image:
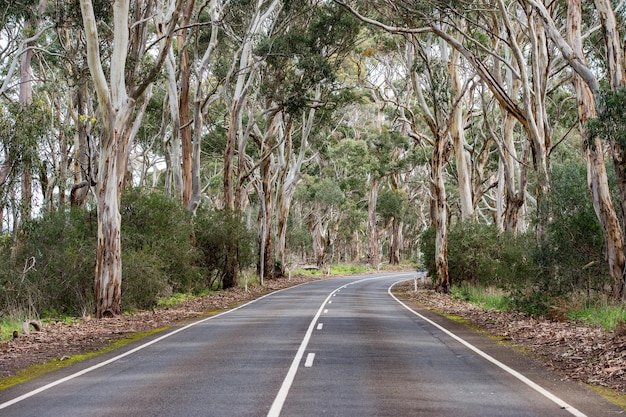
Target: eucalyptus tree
<point>78,126</point>
<point>321,200</point>
<point>249,29</point>
<point>381,78</point>
<point>570,41</point>
<point>281,79</point>
<point>132,68</point>
<point>332,197</point>
<point>489,39</point>
<point>207,90</point>
<point>24,34</point>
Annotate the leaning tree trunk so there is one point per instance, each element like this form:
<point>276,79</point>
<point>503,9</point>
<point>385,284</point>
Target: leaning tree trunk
<point>617,77</point>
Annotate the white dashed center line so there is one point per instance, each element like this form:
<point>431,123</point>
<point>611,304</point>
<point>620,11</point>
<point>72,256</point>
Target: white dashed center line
<point>281,397</point>
<point>309,360</point>
<point>319,326</point>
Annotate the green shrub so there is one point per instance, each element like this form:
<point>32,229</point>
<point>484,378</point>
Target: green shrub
<point>479,255</point>
<point>216,234</point>
<point>144,281</point>
<point>572,254</point>
<point>52,272</point>
<point>157,236</point>
<point>54,267</point>
<point>427,245</point>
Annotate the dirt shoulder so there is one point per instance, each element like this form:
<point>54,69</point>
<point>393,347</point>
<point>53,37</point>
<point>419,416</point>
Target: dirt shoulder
<point>579,353</point>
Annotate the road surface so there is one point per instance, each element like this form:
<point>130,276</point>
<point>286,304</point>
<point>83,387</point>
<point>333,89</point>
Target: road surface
<point>338,347</point>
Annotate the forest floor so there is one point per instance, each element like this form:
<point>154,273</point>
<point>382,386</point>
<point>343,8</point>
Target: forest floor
<point>579,353</point>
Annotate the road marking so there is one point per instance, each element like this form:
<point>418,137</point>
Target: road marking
<point>130,352</point>
<point>319,326</point>
<point>330,302</point>
<point>309,360</point>
<point>565,406</point>
<point>281,397</point>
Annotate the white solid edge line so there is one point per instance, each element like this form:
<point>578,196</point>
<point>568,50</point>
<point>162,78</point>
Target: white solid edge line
<point>130,352</point>
<point>281,397</point>
<point>572,410</point>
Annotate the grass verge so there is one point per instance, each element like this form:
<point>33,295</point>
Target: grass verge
<point>490,298</point>
<point>605,315</point>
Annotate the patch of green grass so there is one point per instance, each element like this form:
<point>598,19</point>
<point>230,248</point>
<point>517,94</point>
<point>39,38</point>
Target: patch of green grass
<point>604,315</point>
<point>348,269</point>
<point>610,395</point>
<point>8,326</point>
<point>487,297</point>
<point>174,299</point>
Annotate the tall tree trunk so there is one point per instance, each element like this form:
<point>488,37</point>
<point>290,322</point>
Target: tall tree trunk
<point>457,131</point>
<point>267,197</point>
<point>617,77</point>
<point>26,99</point>
<point>290,165</point>
<point>265,267</point>
<point>116,107</point>
<point>200,104</point>
<point>183,107</point>
<point>232,254</point>
<point>439,214</point>
<point>108,281</point>
<point>373,253</point>
<point>395,241</point>
<point>593,151</point>
<point>174,146</point>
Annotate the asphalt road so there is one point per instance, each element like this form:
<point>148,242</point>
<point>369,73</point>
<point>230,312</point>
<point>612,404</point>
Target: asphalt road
<point>339,347</point>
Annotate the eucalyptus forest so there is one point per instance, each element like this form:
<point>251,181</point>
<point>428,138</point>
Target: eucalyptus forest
<point>154,147</point>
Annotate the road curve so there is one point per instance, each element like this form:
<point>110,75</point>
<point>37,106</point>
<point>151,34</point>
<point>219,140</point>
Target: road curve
<point>338,347</point>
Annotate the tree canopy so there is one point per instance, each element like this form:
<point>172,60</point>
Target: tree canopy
<point>313,131</point>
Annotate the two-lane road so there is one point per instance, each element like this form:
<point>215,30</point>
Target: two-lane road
<point>338,347</point>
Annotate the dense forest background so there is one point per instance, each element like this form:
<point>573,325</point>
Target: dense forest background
<point>154,147</point>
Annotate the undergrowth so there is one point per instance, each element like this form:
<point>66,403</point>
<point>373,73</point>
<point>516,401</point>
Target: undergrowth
<point>490,298</point>
<point>600,313</point>
<point>605,315</point>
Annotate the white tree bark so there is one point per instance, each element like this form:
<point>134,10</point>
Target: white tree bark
<point>457,131</point>
<point>116,108</point>
<point>593,151</point>
<point>200,103</point>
